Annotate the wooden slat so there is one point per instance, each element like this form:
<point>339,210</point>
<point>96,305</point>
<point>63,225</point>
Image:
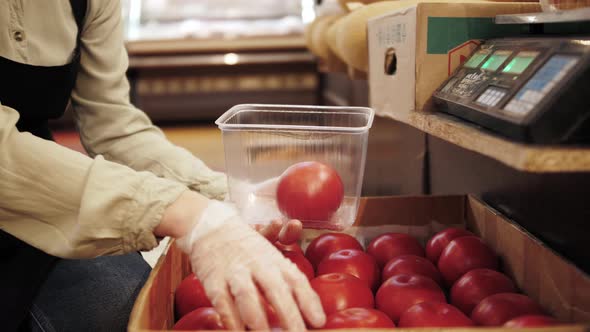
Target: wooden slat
<point>523,157</point>
<point>558,285</point>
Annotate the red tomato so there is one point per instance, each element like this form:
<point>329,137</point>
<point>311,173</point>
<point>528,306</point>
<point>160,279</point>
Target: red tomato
<point>288,247</point>
<point>497,309</point>
<point>190,295</point>
<point>339,291</point>
<point>410,264</point>
<point>302,263</point>
<point>464,254</point>
<point>531,321</point>
<point>478,284</point>
<point>354,262</point>
<point>309,191</point>
<point>352,318</point>
<point>271,314</point>
<point>389,245</point>
<point>398,293</point>
<point>433,314</point>
<point>201,319</point>
<point>328,243</point>
<point>440,240</point>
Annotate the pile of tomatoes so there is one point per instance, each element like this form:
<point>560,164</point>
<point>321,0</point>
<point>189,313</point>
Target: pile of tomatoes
<point>453,282</point>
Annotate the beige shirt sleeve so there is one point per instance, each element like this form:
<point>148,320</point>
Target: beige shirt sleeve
<point>72,206</point>
<point>65,203</point>
<point>110,126</point>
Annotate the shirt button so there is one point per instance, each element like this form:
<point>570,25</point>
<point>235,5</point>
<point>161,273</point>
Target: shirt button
<point>19,36</point>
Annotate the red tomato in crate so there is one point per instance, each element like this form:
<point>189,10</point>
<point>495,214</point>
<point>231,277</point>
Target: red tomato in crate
<point>354,262</point>
<point>410,264</point>
<point>309,191</point>
<point>201,319</point>
<point>400,292</point>
<point>190,295</point>
<point>497,309</point>
<point>271,314</point>
<point>339,291</point>
<point>389,245</point>
<point>288,247</point>
<point>353,318</point>
<point>531,321</point>
<point>476,285</point>
<point>440,240</point>
<point>328,243</point>
<point>433,314</point>
<point>464,254</point>
<point>302,263</point>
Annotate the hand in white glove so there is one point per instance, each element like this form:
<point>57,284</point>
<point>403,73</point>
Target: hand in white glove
<point>241,190</point>
<point>255,201</point>
<point>234,262</point>
<point>285,232</point>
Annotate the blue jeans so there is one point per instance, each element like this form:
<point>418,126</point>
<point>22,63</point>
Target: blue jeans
<point>89,295</point>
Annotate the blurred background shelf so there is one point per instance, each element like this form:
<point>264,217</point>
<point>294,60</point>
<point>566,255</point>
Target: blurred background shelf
<point>212,45</point>
<point>219,59</point>
<point>522,157</point>
<point>562,16</point>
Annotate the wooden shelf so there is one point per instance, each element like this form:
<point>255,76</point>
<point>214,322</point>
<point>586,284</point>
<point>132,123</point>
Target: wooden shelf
<point>184,46</point>
<point>523,157</point>
<point>210,60</point>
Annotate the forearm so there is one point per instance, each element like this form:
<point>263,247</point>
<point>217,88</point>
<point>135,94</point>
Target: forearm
<point>69,205</point>
<point>180,216</point>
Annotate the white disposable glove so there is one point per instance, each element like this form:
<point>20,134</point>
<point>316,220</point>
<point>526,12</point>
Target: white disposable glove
<point>256,201</point>
<point>234,262</point>
<point>242,190</point>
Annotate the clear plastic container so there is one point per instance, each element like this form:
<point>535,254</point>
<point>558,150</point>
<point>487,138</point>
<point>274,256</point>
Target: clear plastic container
<point>262,141</point>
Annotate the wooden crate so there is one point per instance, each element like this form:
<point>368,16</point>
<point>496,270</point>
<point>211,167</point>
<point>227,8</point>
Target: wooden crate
<point>561,288</point>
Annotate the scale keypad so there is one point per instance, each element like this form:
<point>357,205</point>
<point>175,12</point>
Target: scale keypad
<point>492,96</point>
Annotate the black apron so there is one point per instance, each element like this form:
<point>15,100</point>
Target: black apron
<point>38,94</point>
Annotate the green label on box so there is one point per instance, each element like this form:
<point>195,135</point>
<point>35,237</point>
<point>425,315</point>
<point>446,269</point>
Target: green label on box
<point>445,33</point>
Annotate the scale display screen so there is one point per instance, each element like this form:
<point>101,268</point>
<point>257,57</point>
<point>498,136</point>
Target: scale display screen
<point>541,83</point>
<point>496,60</point>
<point>476,59</point>
<point>520,63</point>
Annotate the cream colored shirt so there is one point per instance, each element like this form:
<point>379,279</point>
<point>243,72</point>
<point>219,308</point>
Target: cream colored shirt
<point>61,201</point>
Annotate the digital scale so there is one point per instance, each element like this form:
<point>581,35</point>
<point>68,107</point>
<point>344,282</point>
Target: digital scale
<point>530,89</point>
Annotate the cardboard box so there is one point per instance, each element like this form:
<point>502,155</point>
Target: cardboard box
<point>428,41</point>
<point>561,288</point>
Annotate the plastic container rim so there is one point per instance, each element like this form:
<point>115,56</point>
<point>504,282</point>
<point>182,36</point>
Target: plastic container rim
<point>369,112</point>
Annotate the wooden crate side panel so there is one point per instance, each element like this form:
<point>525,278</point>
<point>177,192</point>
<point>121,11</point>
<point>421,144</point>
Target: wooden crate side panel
<point>154,306</point>
<point>440,212</point>
<point>555,283</point>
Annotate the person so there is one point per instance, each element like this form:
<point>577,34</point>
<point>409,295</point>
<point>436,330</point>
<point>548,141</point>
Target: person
<point>71,224</point>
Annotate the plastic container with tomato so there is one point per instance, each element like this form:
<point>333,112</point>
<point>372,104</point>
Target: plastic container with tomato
<point>264,143</point>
